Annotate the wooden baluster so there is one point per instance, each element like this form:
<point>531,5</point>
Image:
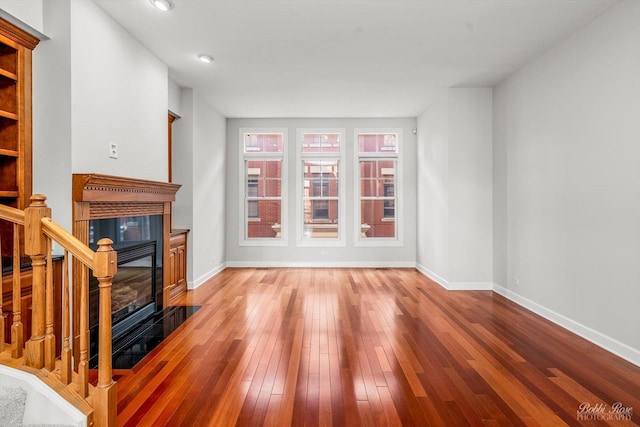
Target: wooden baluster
<point>35,247</point>
<point>17,330</point>
<point>104,399</point>
<point>83,364</point>
<point>66,320</point>
<point>49,337</point>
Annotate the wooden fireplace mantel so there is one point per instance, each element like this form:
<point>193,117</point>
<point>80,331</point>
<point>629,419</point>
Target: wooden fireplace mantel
<point>97,196</point>
<point>102,188</point>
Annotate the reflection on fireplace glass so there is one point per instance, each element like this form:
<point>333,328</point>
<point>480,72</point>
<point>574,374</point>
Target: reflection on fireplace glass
<point>129,229</point>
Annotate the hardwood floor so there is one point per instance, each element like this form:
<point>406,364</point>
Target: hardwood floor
<point>370,347</point>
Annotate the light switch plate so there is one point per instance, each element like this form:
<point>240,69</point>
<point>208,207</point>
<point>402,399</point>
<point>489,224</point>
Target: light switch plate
<point>113,150</point>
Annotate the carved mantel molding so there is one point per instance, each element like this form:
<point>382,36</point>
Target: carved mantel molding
<point>102,188</point>
<point>98,196</point>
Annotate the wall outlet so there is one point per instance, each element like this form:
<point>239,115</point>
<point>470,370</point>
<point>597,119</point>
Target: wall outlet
<point>324,252</point>
<point>516,281</point>
<point>113,150</point>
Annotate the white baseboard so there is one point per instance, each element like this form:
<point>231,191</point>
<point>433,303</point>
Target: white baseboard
<point>616,347</point>
<point>345,264</point>
<point>454,286</point>
<point>470,286</point>
<point>431,275</point>
<point>200,280</point>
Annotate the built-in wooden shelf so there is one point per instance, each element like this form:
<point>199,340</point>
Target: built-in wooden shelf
<point>16,47</point>
<point>8,153</point>
<point>8,74</point>
<point>8,115</point>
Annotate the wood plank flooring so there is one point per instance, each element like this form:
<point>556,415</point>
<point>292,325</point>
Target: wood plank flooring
<point>369,347</point>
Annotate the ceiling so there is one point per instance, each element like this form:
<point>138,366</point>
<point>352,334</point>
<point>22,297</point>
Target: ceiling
<point>346,58</point>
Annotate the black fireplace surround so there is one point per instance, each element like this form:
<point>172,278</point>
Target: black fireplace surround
<point>136,293</point>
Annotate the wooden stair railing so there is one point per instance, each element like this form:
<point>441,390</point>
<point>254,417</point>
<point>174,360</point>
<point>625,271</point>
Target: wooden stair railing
<point>40,350</point>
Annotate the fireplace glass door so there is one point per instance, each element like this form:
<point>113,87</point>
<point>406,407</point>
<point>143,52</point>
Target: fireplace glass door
<point>136,292</point>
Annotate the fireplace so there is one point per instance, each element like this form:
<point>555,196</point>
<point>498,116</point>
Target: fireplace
<point>136,287</point>
<point>136,215</point>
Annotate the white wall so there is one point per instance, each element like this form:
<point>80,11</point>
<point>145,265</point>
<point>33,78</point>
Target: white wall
<point>292,255</point>
<point>455,188</point>
<point>567,190</point>
<point>199,146</point>
<point>433,195</point>
<point>119,94</point>
<point>209,187</point>
<point>29,12</point>
<point>52,113</point>
<point>175,93</point>
<point>470,186</point>
<point>182,171</point>
<point>94,83</point>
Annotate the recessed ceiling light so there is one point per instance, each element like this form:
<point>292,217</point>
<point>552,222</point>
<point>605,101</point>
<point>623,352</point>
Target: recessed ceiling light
<point>205,58</point>
<point>163,5</point>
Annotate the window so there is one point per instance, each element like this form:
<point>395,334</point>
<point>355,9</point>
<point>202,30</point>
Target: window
<point>252,196</point>
<point>320,182</point>
<point>263,155</point>
<point>377,188</point>
<point>320,199</point>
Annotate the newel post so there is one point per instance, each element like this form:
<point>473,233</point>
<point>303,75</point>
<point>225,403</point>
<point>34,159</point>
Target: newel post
<point>104,401</point>
<point>36,247</point>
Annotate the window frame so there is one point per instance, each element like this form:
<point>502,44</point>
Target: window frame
<point>301,157</point>
<point>244,240</point>
<point>398,187</point>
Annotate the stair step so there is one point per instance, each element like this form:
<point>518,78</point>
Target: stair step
<point>12,403</point>
<point>52,379</point>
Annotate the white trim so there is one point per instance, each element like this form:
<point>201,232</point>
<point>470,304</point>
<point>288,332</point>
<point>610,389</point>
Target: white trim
<point>264,241</point>
<point>328,264</point>
<point>206,276</point>
<point>431,275</point>
<point>398,190</point>
<point>284,192</point>
<point>610,344</point>
<point>454,286</point>
<point>378,241</point>
<point>470,286</point>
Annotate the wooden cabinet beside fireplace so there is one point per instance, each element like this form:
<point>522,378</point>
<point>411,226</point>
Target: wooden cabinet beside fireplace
<point>177,265</point>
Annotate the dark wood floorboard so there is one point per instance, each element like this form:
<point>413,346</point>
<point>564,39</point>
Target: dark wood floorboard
<point>368,347</point>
